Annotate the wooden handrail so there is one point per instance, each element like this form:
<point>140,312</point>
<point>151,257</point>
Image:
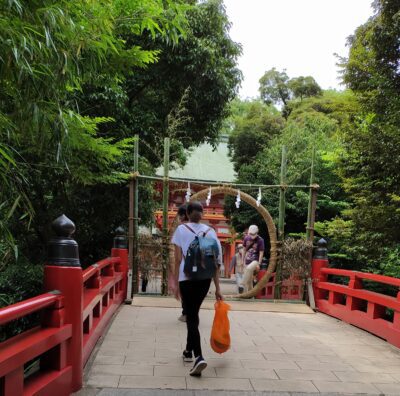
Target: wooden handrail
<point>362,275</point>
<point>26,307</point>
<point>89,272</point>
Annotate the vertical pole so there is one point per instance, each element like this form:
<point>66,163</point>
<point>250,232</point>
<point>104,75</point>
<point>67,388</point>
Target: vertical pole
<point>312,201</point>
<point>319,261</point>
<point>282,195</point>
<point>120,249</point>
<point>135,192</point>
<point>312,204</point>
<point>130,240</point>
<point>164,284</point>
<point>63,272</point>
<point>281,220</point>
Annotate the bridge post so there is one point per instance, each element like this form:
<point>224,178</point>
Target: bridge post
<point>63,272</point>
<point>120,249</point>
<point>319,261</point>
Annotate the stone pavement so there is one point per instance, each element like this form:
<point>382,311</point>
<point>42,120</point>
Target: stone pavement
<point>271,352</point>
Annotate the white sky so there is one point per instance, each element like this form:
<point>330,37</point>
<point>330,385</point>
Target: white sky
<point>300,36</point>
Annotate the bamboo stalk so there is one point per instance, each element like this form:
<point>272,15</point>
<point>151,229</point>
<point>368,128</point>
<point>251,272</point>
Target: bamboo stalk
<point>281,221</point>
<point>130,240</point>
<point>311,204</point>
<point>282,195</point>
<point>218,183</point>
<point>165,263</point>
<point>135,268</point>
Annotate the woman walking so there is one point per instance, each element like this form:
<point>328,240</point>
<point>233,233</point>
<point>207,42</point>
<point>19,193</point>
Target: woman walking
<point>190,290</point>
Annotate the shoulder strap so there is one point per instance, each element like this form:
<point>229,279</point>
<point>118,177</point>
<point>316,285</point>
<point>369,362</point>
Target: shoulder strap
<point>195,233</point>
<point>189,228</point>
<point>206,232</point>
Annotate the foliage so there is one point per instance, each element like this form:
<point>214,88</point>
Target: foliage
<point>303,87</point>
<point>254,126</point>
<point>371,70</point>
<point>314,122</point>
<point>19,282</point>
<point>339,233</point>
<point>390,264</point>
<point>198,75</point>
<point>276,87</point>
<point>370,165</point>
<point>49,151</point>
<point>50,51</point>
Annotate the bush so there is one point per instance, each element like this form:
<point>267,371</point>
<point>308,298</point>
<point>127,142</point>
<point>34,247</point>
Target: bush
<point>19,282</point>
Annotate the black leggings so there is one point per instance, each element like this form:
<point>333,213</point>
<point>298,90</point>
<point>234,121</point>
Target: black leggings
<point>193,294</point>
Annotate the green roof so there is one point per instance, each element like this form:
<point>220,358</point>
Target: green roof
<point>205,164</point>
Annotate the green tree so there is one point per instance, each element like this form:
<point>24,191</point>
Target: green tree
<point>303,87</point>
<point>370,166</point>
<point>50,51</point>
<point>198,74</point>
<point>314,122</point>
<point>274,87</point>
<point>254,125</point>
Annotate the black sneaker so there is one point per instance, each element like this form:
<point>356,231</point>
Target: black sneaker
<point>187,356</point>
<point>199,365</point>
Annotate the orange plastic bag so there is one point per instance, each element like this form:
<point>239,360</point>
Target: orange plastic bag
<point>220,339</point>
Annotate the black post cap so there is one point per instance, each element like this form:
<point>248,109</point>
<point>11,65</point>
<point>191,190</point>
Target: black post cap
<point>120,241</point>
<point>321,251</point>
<point>63,250</point>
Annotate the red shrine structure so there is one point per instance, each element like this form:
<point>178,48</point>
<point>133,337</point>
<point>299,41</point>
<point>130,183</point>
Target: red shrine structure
<point>205,163</point>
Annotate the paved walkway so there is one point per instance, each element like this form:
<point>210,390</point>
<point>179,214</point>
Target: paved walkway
<point>271,352</point>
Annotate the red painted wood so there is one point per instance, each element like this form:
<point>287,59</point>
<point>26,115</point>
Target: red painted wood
<point>91,297</point>
<point>291,289</point>
<point>362,275</point>
<point>14,382</point>
<point>15,354</point>
<point>52,382</point>
<point>69,280</point>
<point>89,272</point>
<point>99,324</point>
<point>26,307</point>
<point>355,305</point>
<point>379,327</point>
<point>376,298</point>
<point>107,262</point>
<point>267,292</point>
<point>122,267</point>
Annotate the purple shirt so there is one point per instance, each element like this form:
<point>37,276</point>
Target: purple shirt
<point>253,253</point>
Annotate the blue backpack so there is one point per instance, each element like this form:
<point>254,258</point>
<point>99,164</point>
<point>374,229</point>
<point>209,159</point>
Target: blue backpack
<point>201,260</point>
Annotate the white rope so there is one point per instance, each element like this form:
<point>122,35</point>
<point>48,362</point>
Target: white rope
<point>188,193</point>
<point>237,203</point>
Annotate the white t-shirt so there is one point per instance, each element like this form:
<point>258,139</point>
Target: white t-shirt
<point>183,238</point>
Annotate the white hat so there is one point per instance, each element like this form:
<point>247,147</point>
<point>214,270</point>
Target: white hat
<point>253,230</point>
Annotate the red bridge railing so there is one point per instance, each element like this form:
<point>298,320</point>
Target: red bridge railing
<point>291,289</point>
<point>74,314</point>
<point>375,312</point>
